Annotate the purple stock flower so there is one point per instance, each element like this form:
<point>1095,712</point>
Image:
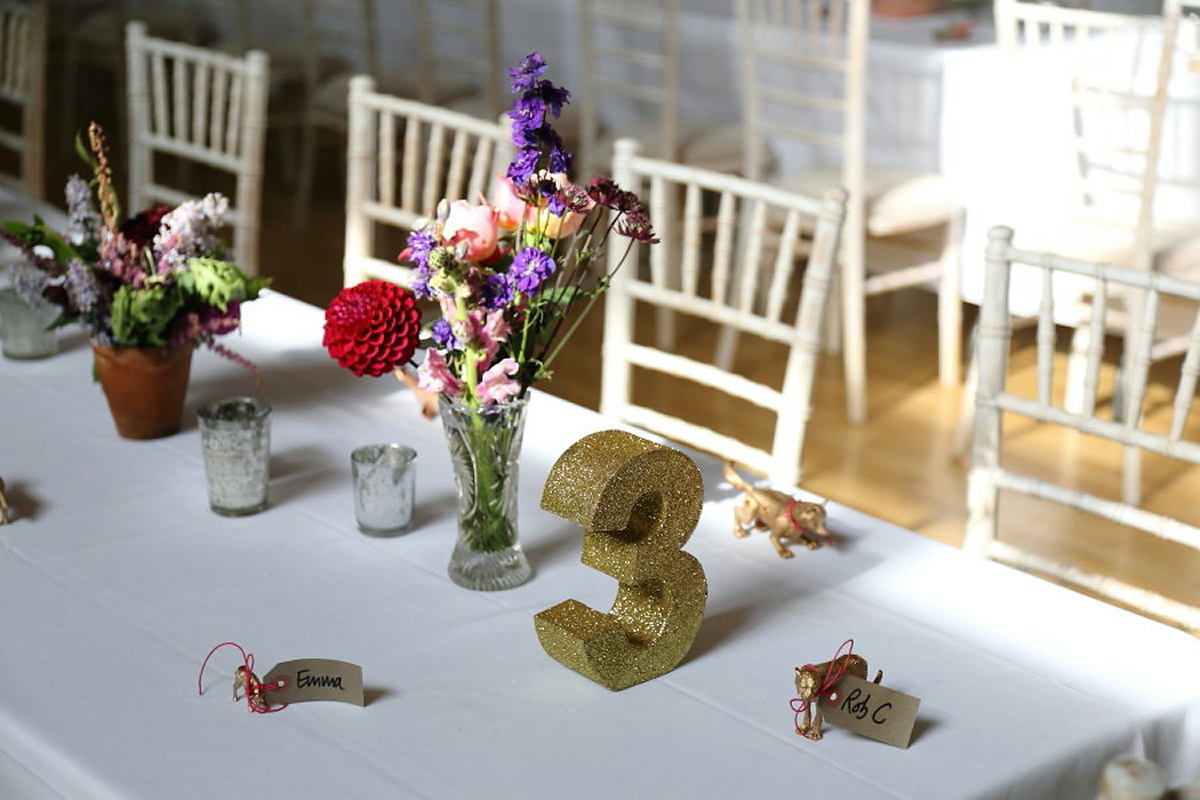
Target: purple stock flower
<point>497,292</point>
<point>443,336</point>
<point>420,243</point>
<point>529,269</point>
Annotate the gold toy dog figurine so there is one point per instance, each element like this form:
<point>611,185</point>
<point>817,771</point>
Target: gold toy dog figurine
<point>787,518</point>
<point>817,681</point>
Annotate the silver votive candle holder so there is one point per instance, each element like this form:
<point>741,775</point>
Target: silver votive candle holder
<point>235,435</point>
<point>384,478</point>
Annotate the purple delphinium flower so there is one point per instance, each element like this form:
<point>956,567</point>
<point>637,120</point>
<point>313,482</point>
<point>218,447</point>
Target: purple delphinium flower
<point>529,269</point>
<point>538,102</point>
<point>526,74</point>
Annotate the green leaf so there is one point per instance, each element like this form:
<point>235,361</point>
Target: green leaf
<point>40,233</point>
<point>217,283</point>
<point>139,316</point>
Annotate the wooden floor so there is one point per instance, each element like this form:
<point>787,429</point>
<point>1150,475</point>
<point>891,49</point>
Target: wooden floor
<point>899,466</point>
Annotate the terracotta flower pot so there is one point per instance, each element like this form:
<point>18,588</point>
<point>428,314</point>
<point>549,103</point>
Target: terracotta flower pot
<point>905,8</point>
<point>145,387</point>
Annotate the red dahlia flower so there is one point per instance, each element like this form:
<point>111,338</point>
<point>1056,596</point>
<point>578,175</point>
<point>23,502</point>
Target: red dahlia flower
<point>372,328</point>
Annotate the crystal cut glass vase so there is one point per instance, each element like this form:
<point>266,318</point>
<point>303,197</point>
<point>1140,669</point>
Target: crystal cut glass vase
<point>484,445</point>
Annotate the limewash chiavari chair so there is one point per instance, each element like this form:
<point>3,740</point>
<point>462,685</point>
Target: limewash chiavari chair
<point>403,157</point>
<point>22,85</point>
<point>1173,439</point>
<point>202,107</point>
<point>1112,71</point>
<point>740,250</point>
<point>803,80</point>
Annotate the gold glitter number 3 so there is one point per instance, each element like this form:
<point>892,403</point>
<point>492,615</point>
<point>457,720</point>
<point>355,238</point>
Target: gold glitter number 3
<point>638,503</point>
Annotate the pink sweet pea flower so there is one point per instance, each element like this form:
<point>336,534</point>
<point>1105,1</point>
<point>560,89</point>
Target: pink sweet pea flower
<point>433,375</point>
<point>497,384</point>
<point>473,224</point>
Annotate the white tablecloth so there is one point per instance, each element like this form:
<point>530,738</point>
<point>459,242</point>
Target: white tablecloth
<point>117,580</point>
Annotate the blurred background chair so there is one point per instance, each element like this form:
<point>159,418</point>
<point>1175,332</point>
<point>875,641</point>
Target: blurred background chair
<point>803,68</point>
<point>1162,431</point>
<point>92,35</point>
<point>629,67</point>
<point>403,157</point>
<point>1104,78</point>
<point>457,65</point>
<point>458,57</point>
<point>660,389</point>
<point>23,88</point>
<point>201,107</point>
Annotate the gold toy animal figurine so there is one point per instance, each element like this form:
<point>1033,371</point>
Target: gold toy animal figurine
<point>3,505</point>
<point>787,518</point>
<point>817,681</point>
<point>247,683</point>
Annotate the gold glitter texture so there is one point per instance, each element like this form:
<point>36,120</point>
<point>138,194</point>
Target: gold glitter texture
<point>638,503</point>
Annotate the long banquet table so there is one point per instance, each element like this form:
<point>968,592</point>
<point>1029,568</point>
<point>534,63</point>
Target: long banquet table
<point>116,581</point>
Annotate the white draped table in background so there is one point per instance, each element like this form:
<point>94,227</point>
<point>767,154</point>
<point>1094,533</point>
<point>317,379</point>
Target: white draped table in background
<point>116,580</point>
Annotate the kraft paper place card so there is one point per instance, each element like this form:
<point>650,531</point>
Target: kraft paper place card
<point>872,710</point>
<point>308,679</point>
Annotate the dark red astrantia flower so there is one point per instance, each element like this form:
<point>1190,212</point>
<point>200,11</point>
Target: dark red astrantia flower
<point>372,328</point>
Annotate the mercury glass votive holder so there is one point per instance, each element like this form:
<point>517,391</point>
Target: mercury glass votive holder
<point>235,435</point>
<point>384,480</point>
<point>24,327</point>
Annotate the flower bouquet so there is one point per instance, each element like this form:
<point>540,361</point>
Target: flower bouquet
<point>148,289</point>
<point>512,279</point>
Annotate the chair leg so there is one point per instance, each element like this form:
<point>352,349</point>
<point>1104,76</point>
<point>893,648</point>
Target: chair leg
<point>304,177</point>
<point>950,305</point>
<point>1076,379</point>
<point>854,346</point>
<point>964,426</point>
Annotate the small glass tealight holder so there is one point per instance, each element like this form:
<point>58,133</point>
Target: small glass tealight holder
<point>235,435</point>
<point>384,480</point>
<point>25,326</point>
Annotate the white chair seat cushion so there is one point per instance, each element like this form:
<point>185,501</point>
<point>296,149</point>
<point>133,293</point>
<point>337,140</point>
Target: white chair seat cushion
<point>1176,246</point>
<point>897,200</point>
<point>1102,241</point>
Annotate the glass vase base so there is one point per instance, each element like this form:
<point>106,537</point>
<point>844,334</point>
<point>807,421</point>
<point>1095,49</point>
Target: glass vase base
<point>489,570</point>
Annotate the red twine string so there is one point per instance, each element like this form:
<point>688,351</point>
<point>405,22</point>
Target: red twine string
<point>253,689</point>
<point>833,674</point>
<point>801,529</point>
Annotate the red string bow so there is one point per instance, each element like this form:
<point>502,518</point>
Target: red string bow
<point>249,682</point>
<point>833,674</point>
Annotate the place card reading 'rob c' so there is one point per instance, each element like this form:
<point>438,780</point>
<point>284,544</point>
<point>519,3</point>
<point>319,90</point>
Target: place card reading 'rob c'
<point>871,710</point>
<point>308,679</point>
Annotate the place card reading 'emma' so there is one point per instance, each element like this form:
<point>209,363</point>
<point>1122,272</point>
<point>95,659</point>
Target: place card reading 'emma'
<point>871,710</point>
<point>308,679</point>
